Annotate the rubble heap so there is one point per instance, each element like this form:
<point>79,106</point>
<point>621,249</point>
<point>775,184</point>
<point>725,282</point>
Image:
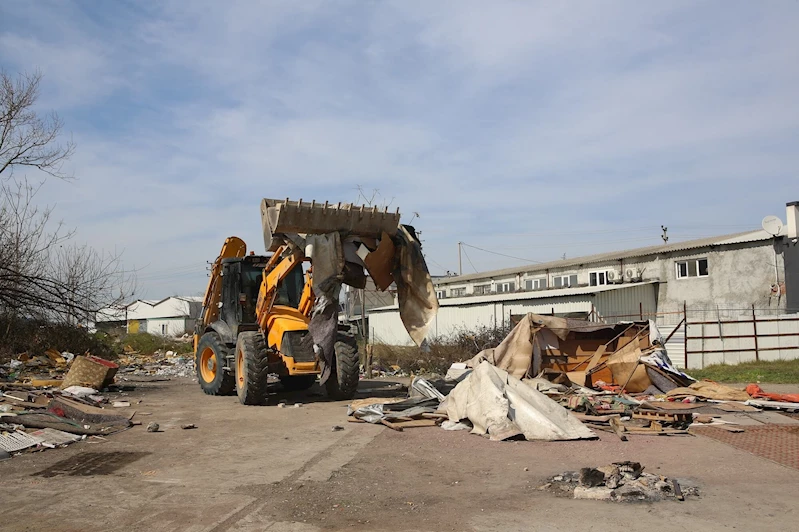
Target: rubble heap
<point>619,482</point>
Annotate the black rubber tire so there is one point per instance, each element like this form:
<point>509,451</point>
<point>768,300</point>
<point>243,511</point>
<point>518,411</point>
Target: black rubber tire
<point>343,380</point>
<point>252,368</point>
<point>294,383</point>
<point>223,382</point>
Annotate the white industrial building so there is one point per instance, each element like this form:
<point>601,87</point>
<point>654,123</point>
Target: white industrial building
<point>171,316</point>
<point>721,278</point>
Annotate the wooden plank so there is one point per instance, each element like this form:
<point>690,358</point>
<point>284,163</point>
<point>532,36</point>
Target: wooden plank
<point>618,428</point>
<point>416,423</point>
<point>391,425</point>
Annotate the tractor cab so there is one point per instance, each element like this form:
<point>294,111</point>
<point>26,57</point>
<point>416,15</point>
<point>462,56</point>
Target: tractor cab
<point>241,281</point>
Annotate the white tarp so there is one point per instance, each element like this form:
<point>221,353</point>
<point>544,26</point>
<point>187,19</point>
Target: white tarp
<point>502,406</point>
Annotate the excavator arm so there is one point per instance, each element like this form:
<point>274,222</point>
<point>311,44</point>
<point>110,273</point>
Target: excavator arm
<point>281,263</point>
<point>234,247</point>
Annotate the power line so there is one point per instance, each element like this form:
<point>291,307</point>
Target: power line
<point>502,254</point>
<point>467,258</point>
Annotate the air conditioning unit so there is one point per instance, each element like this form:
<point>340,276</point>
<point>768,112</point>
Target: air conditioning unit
<point>615,276</point>
<point>633,274</point>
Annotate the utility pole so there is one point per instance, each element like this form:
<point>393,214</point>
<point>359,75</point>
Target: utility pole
<point>363,317</point>
<point>460,264</point>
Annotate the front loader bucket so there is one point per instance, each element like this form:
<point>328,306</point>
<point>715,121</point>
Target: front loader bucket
<point>285,216</point>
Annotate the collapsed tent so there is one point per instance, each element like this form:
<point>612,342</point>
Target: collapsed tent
<point>589,354</point>
<point>502,406</point>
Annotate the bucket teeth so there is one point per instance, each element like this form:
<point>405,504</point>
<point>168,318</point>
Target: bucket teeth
<point>285,217</point>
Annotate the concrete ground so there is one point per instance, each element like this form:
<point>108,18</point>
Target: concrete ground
<point>285,469</point>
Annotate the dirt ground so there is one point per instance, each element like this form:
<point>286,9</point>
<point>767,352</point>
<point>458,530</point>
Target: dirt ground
<point>285,469</point>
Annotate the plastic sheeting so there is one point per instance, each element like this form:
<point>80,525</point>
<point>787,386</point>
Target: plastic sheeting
<point>502,406</point>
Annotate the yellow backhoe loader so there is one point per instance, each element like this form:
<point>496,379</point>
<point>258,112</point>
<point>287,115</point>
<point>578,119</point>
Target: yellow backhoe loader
<point>257,308</point>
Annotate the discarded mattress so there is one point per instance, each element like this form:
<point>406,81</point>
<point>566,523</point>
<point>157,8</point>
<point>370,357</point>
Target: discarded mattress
<point>502,406</point>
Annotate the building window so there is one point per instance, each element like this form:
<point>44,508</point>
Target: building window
<point>503,288</point>
<point>565,281</point>
<point>691,268</point>
<point>441,294</point>
<point>598,278</point>
<point>482,289</point>
<point>163,329</point>
<point>457,292</point>
<point>535,284</point>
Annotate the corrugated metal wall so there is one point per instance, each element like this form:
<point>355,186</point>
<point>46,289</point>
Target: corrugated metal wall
<point>627,302</point>
<point>778,332</point>
<point>386,327</point>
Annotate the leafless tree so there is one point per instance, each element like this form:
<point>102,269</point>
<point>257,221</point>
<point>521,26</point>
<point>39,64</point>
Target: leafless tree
<point>46,276</point>
<point>26,138</point>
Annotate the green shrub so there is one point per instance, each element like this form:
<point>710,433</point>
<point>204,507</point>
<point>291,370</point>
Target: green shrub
<point>460,346</point>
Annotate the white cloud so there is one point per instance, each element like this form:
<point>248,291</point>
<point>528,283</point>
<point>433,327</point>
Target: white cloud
<point>489,120</point>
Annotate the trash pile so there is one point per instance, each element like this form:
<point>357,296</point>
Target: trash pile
<point>619,482</point>
<point>50,366</point>
<point>561,379</point>
<point>159,363</point>
<point>39,411</point>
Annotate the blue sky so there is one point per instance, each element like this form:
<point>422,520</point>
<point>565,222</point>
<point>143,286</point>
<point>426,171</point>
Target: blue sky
<point>530,129</point>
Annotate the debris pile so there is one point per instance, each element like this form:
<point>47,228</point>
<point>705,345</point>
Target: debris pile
<point>159,363</point>
<point>44,368</point>
<point>44,418</point>
<point>619,482</point>
<point>562,379</point>
<point>56,399</point>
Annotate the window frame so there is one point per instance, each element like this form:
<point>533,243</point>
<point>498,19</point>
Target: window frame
<point>697,269</point>
<point>457,292</point>
<point>568,278</point>
<point>596,274</point>
<point>482,289</point>
<point>505,287</point>
<point>541,283</point>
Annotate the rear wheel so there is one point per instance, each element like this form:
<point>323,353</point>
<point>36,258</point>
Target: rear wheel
<point>293,383</point>
<point>209,363</point>
<point>252,368</point>
<point>343,380</point>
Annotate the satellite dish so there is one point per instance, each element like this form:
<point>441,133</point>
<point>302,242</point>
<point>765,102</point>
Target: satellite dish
<point>772,225</point>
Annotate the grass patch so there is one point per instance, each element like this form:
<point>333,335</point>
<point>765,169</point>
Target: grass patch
<point>147,344</point>
<point>775,372</point>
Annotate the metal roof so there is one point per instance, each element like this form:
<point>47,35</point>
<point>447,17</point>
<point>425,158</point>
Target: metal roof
<point>523,296</point>
<point>735,238</point>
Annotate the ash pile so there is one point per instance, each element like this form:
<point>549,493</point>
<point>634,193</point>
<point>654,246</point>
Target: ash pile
<point>619,482</point>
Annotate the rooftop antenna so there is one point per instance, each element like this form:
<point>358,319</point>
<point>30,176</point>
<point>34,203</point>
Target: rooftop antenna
<point>665,235</point>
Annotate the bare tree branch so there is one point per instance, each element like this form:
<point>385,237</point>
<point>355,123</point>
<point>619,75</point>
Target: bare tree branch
<point>43,275</point>
<point>26,138</point>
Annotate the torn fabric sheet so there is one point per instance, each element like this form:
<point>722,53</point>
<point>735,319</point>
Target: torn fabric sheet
<point>417,297</point>
<point>327,257</point>
<point>502,406</point>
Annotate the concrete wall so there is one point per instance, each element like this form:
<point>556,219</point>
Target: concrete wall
<point>739,276</point>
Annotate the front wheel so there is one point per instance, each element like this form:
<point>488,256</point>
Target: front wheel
<point>343,380</point>
<point>252,368</point>
<point>209,362</point>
